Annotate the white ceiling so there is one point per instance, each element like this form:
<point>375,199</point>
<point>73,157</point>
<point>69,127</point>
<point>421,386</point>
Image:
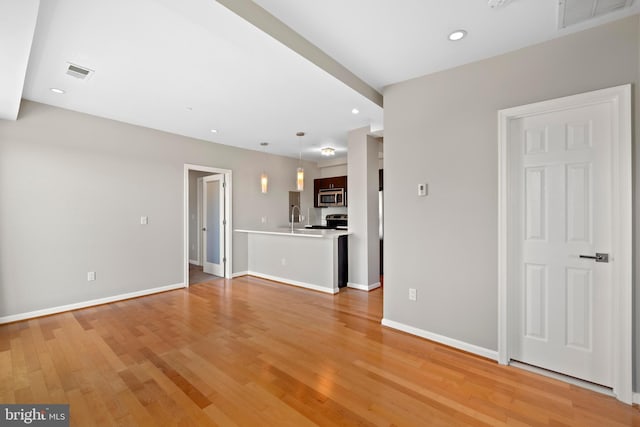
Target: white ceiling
<point>385,41</point>
<point>154,59</point>
<point>190,66</point>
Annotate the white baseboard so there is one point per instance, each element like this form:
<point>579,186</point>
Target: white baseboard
<point>451,342</point>
<point>295,283</point>
<point>194,262</point>
<point>363,287</point>
<point>85,304</point>
<point>636,398</point>
<point>239,273</point>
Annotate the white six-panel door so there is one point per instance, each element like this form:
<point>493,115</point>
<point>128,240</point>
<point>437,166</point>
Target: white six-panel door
<point>560,190</point>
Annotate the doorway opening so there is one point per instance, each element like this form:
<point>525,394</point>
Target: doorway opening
<point>207,236</point>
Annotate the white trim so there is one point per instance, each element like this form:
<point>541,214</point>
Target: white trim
<point>620,99</point>
<point>228,175</point>
<point>450,342</point>
<point>194,262</point>
<point>636,398</point>
<point>295,283</point>
<point>567,379</point>
<point>239,274</point>
<point>90,303</point>
<point>363,287</point>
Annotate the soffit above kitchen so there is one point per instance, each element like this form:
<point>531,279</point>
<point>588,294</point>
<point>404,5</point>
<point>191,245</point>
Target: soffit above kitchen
<point>192,68</point>
<point>385,42</point>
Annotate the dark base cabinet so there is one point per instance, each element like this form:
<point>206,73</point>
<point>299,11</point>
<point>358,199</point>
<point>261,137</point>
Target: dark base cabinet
<point>343,261</point>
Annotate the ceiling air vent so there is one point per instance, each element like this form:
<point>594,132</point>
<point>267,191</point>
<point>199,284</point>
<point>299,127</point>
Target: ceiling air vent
<point>78,71</point>
<point>572,12</point>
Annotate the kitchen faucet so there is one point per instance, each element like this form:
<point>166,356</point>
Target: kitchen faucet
<point>293,208</point>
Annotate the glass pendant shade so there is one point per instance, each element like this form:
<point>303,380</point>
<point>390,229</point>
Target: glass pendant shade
<point>264,182</point>
<point>300,179</point>
<point>264,179</point>
<point>300,171</point>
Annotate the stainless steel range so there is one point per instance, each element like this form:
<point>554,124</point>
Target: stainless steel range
<point>334,222</point>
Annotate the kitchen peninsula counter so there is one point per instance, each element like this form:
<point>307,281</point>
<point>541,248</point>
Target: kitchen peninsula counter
<point>308,258</point>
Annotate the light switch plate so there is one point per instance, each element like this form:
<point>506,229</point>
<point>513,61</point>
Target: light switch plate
<point>144,220</point>
<point>422,189</point>
<point>91,276</point>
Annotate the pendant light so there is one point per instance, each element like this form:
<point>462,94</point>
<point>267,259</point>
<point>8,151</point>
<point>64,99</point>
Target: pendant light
<point>264,179</point>
<point>300,171</point>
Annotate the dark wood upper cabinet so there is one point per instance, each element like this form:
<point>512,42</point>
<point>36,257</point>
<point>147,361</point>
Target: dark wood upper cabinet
<point>326,183</point>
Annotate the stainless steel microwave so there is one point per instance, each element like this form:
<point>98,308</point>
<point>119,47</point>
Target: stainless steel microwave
<point>331,197</point>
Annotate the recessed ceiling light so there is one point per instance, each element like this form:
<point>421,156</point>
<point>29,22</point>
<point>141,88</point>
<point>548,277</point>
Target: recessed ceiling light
<point>355,111</point>
<point>214,130</point>
<point>56,90</point>
<point>457,35</point>
<point>328,151</point>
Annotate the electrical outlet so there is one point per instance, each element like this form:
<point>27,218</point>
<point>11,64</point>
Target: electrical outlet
<point>91,276</point>
<point>263,220</point>
<point>413,294</point>
<point>423,189</point>
<point>284,261</point>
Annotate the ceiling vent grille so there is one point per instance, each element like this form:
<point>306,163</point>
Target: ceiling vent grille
<point>572,12</point>
<point>77,71</point>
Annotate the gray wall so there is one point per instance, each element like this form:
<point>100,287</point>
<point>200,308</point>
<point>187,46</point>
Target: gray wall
<point>331,171</point>
<point>73,188</point>
<point>364,246</point>
<point>442,129</point>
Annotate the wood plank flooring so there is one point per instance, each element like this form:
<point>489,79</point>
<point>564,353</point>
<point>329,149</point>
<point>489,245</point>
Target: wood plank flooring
<point>250,352</point>
<point>197,275</point>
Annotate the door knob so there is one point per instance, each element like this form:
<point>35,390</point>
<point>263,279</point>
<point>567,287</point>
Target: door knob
<point>204,228</point>
<point>600,257</point>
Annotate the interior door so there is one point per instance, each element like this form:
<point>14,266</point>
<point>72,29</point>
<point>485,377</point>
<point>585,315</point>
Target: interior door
<point>213,224</point>
<point>560,185</point>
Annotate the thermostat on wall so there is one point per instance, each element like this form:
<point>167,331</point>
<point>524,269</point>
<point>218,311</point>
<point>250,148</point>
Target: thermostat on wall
<point>422,189</point>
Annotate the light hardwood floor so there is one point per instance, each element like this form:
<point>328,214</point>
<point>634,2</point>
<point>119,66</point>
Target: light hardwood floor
<point>250,352</point>
<point>197,275</point>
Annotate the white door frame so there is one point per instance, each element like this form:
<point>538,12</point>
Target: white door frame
<point>620,100</point>
<point>227,212</point>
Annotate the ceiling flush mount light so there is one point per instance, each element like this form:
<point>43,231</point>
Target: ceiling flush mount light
<point>355,111</point>
<point>214,130</point>
<point>264,179</point>
<point>457,35</point>
<point>56,90</point>
<point>327,151</point>
<point>300,171</point>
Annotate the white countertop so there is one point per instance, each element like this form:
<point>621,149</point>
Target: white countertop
<point>297,232</point>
